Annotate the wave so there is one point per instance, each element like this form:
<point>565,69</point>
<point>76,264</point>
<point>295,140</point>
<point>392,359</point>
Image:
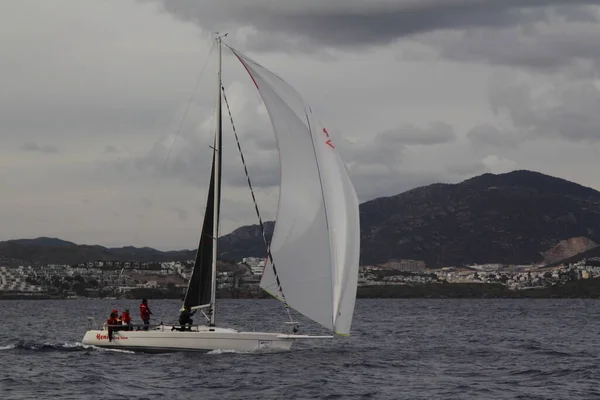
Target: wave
<point>550,373</point>
<point>78,346</point>
<point>221,351</point>
<point>255,351</point>
<point>72,346</point>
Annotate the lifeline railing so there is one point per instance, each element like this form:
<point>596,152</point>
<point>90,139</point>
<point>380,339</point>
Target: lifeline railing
<point>92,324</point>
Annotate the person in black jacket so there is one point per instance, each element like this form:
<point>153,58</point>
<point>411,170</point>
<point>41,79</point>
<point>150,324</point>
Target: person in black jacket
<point>185,318</point>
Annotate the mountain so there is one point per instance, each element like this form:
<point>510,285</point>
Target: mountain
<point>504,218</point>
<point>518,218</point>
<point>56,251</point>
<point>246,241</point>
<point>44,242</point>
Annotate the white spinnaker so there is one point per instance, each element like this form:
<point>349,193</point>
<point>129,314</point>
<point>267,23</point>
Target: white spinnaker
<point>315,245</point>
<point>344,227</point>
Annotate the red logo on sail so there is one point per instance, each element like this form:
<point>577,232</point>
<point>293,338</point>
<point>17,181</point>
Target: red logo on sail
<point>328,142</point>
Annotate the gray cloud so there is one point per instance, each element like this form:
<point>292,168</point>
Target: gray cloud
<point>462,170</point>
<point>545,46</point>
<point>435,133</point>
<point>147,203</point>
<point>191,158</point>
<point>489,135</point>
<point>358,23</point>
<point>381,74</point>
<point>263,174</point>
<point>46,148</point>
<point>378,156</point>
<point>387,147</point>
<point>540,34</point>
<point>566,108</point>
<point>584,14</point>
<point>110,149</point>
<point>83,117</point>
<point>182,215</point>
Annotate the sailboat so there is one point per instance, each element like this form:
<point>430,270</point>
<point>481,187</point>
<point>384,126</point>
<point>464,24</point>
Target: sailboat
<point>312,262</point>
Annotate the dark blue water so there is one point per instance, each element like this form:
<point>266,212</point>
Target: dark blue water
<point>400,349</point>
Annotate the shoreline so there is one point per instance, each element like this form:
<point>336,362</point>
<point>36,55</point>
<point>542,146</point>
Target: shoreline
<point>579,289</point>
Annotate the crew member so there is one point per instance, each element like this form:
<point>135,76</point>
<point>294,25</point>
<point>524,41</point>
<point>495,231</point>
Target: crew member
<point>185,318</point>
<point>126,320</point>
<point>145,313</point>
<point>111,322</point>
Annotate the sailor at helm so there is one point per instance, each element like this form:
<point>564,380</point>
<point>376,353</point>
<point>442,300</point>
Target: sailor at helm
<point>185,318</point>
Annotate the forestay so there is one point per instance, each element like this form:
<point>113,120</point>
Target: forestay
<point>316,241</point>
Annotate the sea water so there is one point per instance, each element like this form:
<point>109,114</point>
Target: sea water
<point>399,349</point>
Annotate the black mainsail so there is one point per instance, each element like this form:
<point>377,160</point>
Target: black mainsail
<point>202,286</point>
<point>199,290</point>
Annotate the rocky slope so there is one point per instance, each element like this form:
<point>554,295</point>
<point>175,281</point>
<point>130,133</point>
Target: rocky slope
<point>568,248</point>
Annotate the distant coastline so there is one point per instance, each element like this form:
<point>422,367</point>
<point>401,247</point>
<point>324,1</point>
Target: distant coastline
<point>580,289</point>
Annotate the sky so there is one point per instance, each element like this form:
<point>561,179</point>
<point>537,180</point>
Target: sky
<point>107,108</point>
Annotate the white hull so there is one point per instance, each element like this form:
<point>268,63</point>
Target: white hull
<point>163,339</point>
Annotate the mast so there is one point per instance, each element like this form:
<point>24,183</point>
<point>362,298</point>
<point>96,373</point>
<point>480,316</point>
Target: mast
<point>217,188</point>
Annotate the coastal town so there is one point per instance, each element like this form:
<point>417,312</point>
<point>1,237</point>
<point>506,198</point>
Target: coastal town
<point>242,279</point>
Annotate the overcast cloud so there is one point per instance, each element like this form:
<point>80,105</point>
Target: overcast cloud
<point>102,145</point>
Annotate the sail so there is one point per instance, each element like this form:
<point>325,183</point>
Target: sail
<point>200,284</point>
<point>316,241</point>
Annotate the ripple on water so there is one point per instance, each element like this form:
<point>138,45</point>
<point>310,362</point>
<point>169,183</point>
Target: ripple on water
<point>400,349</point>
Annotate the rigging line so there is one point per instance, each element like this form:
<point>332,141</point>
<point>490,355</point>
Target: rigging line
<point>260,221</point>
<point>177,133</point>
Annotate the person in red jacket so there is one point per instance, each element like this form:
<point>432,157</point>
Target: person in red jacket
<point>145,313</point>
<point>111,322</point>
<point>126,320</point>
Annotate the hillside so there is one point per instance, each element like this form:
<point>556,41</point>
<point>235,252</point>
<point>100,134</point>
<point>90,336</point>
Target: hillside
<point>506,218</point>
<point>55,251</point>
<point>518,218</point>
<point>246,241</point>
